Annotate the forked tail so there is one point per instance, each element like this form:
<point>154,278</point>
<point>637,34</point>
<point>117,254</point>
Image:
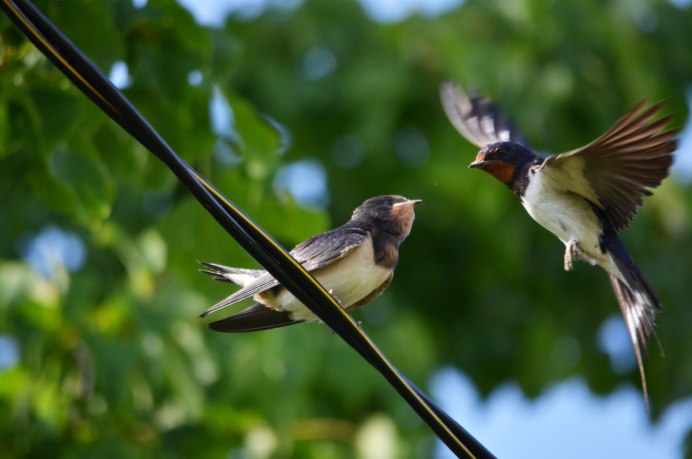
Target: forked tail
<point>638,304</point>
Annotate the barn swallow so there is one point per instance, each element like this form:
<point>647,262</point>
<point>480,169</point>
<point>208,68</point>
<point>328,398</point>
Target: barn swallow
<point>585,196</point>
<point>354,262</point>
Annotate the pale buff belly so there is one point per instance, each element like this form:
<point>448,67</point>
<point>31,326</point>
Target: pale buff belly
<point>568,216</point>
<point>350,279</point>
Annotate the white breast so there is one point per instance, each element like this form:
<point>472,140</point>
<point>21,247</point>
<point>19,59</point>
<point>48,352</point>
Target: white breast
<point>562,212</point>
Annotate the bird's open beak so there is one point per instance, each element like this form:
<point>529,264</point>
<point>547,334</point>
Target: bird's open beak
<point>478,164</point>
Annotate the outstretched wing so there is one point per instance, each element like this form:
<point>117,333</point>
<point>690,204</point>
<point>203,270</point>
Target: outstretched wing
<point>619,168</point>
<point>478,119</point>
<point>315,253</point>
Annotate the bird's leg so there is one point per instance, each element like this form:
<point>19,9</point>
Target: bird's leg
<point>338,300</point>
<point>572,254</point>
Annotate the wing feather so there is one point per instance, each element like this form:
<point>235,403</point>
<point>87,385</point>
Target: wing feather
<point>619,168</point>
<point>476,118</point>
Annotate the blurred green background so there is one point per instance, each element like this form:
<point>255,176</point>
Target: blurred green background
<point>300,111</point>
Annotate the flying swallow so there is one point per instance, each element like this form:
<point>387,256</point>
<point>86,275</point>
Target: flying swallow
<point>354,262</point>
<point>585,196</point>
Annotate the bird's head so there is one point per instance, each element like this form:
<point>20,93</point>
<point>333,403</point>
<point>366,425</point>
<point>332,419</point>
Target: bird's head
<point>391,213</point>
<point>502,160</point>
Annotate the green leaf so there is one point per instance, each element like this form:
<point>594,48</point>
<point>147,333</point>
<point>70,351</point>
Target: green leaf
<point>77,184</point>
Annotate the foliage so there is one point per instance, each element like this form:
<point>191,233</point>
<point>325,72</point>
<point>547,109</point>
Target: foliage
<point>112,358</point>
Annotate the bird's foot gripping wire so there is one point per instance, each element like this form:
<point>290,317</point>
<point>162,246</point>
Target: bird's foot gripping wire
<point>336,298</point>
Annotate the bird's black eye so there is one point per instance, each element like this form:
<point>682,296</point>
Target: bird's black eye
<point>496,152</point>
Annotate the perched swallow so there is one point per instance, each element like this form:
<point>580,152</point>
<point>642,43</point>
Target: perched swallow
<point>586,196</point>
<point>354,262</point>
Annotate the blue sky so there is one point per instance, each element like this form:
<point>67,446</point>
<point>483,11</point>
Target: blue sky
<point>567,421</point>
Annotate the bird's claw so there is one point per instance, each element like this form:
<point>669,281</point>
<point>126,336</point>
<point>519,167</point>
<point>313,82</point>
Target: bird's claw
<point>572,255</point>
<point>336,298</point>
